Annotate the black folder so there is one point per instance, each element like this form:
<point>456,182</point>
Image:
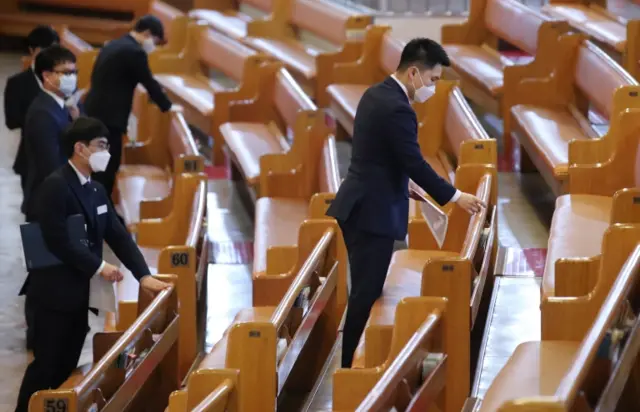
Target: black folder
<point>36,253</point>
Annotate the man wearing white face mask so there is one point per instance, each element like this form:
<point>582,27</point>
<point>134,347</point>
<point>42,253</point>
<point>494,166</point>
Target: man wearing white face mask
<point>372,204</point>
<point>61,294</point>
<point>121,65</point>
<point>47,117</point>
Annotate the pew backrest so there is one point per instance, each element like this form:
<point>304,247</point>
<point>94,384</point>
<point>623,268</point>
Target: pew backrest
<point>289,98</point>
<point>597,76</point>
<point>461,124</point>
<point>137,7</point>
<point>180,138</point>
<point>173,21</point>
<point>222,53</point>
<point>265,6</point>
<point>328,168</point>
<point>328,21</point>
<point>390,51</point>
<point>514,22</point>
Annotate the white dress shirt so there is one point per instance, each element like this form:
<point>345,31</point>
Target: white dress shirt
<point>83,181</point>
<point>457,194</point>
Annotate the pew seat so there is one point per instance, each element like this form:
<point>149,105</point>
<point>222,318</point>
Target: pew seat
<point>195,89</point>
<point>232,23</point>
<point>249,142</point>
<point>547,133</point>
<point>137,183</point>
<point>534,369</point>
<point>577,229</point>
<point>597,25</point>
<point>480,64</point>
<point>345,98</point>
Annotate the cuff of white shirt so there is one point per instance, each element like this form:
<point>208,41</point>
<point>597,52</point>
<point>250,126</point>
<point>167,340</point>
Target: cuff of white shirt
<point>456,196</point>
<point>100,268</point>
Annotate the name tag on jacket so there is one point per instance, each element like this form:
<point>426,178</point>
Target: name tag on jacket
<point>102,210</point>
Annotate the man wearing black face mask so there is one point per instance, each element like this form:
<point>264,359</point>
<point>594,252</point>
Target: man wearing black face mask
<point>372,204</point>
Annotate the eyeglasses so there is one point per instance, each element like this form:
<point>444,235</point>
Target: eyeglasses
<point>66,72</point>
<point>102,145</point>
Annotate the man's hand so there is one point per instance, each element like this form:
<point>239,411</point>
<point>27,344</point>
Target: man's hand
<point>153,285</point>
<point>111,273</point>
<point>470,203</point>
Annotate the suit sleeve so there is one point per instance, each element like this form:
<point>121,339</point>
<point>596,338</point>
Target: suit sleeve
<point>52,217</point>
<point>42,133</point>
<point>123,246</point>
<point>13,115</point>
<point>403,131</point>
<point>145,77</point>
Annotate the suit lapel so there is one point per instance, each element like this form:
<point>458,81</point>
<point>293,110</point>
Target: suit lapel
<point>80,193</point>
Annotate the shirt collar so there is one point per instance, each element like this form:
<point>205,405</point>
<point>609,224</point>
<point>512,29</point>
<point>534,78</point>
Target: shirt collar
<point>83,179</point>
<point>55,97</point>
<point>33,70</point>
<point>402,86</point>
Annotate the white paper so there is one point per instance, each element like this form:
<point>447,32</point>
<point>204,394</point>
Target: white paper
<point>436,219</point>
<point>101,294</point>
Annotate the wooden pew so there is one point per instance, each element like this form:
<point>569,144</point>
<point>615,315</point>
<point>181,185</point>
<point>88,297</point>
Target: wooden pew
<point>271,351</point>
<point>15,21</point>
<point>175,25</point>
<point>616,34</point>
<point>237,19</point>
<point>186,76</point>
<point>596,370</point>
<point>308,36</point>
<point>138,367</point>
<point>464,259</point>
<point>450,135</point>
<point>472,48</point>
<point>423,325</point>
<point>279,119</point>
<point>603,186</point>
<point>548,114</point>
<point>379,59</point>
<point>316,35</point>
<point>163,200</point>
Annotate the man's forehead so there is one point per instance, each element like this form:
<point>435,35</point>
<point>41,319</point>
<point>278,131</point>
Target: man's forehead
<point>101,139</point>
<point>65,66</point>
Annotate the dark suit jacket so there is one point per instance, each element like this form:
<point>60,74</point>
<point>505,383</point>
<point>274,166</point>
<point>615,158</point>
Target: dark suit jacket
<point>121,65</point>
<point>374,196</point>
<point>45,122</point>
<point>20,91</point>
<point>66,288</point>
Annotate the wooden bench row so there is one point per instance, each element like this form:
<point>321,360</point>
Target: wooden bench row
<point>594,368</point>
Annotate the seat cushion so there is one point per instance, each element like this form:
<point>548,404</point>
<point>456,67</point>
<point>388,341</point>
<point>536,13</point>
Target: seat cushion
<point>347,97</point>
<point>404,279</point>
<point>276,224</point>
<point>217,357</point>
<point>140,182</point>
<point>589,21</point>
<point>545,133</point>
<point>290,52</point>
<point>534,369</point>
<point>477,63</point>
<point>231,23</point>
<point>192,91</point>
<point>577,230</point>
<point>247,143</point>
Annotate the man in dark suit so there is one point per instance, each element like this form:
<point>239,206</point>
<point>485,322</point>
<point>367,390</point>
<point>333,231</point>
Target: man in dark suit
<point>121,65</point>
<point>372,204</point>
<point>61,294</point>
<point>47,117</point>
<point>20,91</point>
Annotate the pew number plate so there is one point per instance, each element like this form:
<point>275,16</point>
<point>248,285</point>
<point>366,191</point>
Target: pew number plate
<point>179,259</point>
<point>56,405</point>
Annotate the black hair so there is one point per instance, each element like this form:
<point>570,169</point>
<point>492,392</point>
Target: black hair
<point>50,57</point>
<point>84,129</point>
<point>42,37</point>
<point>151,23</point>
<point>424,53</point>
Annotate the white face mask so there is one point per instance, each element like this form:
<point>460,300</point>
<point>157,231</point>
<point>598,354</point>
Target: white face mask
<point>68,84</point>
<point>148,45</point>
<point>423,93</point>
<point>99,160</point>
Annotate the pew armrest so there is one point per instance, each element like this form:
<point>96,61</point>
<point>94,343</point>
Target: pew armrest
<point>138,153</point>
<point>519,88</point>
<point>279,177</point>
<point>319,204</point>
<point>593,179</point>
<point>168,62</point>
<point>586,152</point>
<point>281,259</point>
<point>156,232</point>
<point>576,277</point>
<point>269,27</point>
<point>351,386</point>
<point>463,33</point>
<point>155,208</point>
<point>479,152</point>
<point>626,206</point>
<point>326,64</point>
